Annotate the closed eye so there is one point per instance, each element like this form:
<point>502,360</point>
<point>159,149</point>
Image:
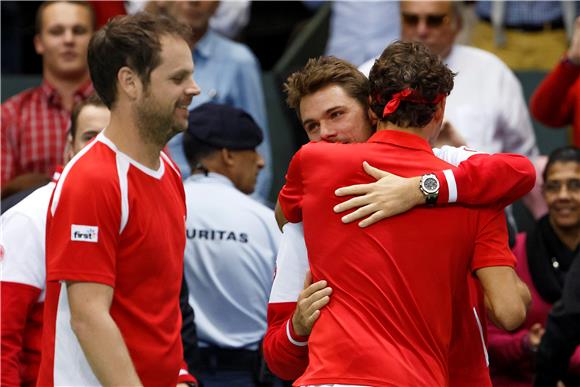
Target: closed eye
<point>336,114</point>
<point>311,128</point>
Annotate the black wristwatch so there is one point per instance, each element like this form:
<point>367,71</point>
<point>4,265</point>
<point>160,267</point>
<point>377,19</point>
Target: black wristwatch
<point>429,186</point>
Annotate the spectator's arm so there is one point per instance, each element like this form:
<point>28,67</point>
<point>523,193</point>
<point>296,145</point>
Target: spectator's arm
<point>507,349</point>
<point>553,101</point>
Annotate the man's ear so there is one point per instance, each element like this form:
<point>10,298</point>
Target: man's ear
<point>440,112</point>
<point>129,83</point>
<point>373,118</point>
<point>38,45</point>
<point>69,151</point>
<point>227,157</point>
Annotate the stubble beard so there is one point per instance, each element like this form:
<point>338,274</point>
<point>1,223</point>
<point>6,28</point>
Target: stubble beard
<point>155,126</point>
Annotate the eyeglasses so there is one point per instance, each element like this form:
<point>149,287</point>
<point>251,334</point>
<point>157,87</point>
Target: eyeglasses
<point>554,186</point>
<point>432,21</point>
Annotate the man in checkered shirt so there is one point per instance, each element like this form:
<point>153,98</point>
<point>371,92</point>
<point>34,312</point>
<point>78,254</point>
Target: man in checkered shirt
<point>34,122</point>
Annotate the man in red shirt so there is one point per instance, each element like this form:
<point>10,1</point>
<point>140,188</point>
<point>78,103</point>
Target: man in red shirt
<point>292,203</point>
<point>35,122</point>
<point>115,226</point>
<point>23,267</point>
<point>331,100</point>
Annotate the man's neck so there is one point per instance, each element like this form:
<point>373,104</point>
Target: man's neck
<point>570,237</point>
<point>124,133</point>
<point>66,88</point>
<point>390,126</point>
<point>197,35</point>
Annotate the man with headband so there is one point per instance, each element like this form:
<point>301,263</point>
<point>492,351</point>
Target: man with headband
<point>325,243</point>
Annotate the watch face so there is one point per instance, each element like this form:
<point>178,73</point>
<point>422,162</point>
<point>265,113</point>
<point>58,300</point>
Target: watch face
<point>431,184</point>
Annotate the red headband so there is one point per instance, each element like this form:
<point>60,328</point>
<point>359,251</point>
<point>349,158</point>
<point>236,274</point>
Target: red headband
<point>409,95</point>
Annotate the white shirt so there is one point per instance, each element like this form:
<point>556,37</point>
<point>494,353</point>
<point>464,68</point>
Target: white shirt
<point>230,255</point>
<point>487,104</point>
<point>359,29</point>
<point>23,239</point>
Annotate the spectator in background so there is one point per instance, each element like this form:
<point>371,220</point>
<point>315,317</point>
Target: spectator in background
<point>556,101</point>
<point>231,17</point>
<point>231,246</point>
<point>104,10</point>
<point>34,122</point>
<point>487,106</point>
<point>562,333</point>
<point>359,30</point>
<point>227,73</point>
<point>23,267</point>
<point>544,259</point>
<point>526,35</point>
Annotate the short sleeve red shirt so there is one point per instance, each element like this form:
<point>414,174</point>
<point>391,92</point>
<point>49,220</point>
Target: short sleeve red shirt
<point>115,222</point>
<point>395,283</point>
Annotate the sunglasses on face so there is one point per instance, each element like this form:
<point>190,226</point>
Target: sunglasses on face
<point>432,21</point>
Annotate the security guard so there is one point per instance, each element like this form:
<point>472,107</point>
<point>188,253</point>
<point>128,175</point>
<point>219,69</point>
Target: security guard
<point>232,241</point>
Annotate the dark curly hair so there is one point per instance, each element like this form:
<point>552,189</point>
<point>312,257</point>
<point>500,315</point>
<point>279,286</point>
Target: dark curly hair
<point>409,65</point>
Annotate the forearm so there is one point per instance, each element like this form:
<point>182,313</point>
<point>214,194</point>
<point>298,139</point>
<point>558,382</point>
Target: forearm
<point>105,349</point>
<point>551,102</point>
<point>488,179</point>
<point>279,214</point>
<point>506,296</point>
<point>285,359</point>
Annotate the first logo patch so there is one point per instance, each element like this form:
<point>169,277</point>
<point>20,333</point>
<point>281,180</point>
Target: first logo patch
<point>82,233</point>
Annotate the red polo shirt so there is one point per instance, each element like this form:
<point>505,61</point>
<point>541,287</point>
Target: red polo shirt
<point>398,283</point>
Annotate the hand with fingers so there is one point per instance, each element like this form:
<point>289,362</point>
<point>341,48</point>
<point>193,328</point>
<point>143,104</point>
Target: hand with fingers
<point>390,195</point>
<point>312,298</point>
<point>534,337</point>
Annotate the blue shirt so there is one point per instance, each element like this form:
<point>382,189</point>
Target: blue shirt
<point>360,30</point>
<point>229,259</point>
<point>228,73</point>
<point>518,13</point>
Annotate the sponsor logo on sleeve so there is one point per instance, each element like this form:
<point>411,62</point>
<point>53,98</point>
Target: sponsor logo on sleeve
<point>82,233</point>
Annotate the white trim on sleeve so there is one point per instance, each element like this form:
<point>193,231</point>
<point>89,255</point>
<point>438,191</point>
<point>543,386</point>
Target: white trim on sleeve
<point>291,339</point>
<point>451,185</point>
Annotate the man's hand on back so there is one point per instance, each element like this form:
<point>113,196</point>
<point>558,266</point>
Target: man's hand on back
<point>311,299</point>
<point>390,195</point>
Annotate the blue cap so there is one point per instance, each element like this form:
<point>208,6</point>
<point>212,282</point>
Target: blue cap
<point>224,126</point>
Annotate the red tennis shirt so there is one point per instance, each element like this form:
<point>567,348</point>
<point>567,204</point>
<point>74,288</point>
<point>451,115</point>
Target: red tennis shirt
<point>396,284</point>
<point>116,222</point>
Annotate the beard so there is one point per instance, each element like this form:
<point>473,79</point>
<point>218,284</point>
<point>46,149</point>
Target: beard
<point>156,125</point>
